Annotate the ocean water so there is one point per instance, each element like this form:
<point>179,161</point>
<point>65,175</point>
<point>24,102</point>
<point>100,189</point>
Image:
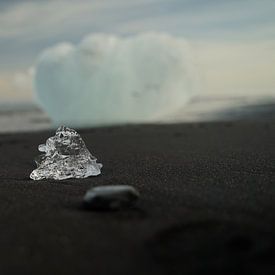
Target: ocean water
<point>28,116</point>
<point>22,117</point>
<point>214,108</point>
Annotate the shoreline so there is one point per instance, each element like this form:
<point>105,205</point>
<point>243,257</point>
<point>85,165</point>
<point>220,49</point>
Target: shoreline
<point>207,203</point>
<point>24,117</point>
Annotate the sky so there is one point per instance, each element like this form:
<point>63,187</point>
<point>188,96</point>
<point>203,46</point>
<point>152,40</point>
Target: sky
<point>233,41</point>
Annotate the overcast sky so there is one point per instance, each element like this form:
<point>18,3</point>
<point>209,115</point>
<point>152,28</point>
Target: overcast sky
<point>27,27</point>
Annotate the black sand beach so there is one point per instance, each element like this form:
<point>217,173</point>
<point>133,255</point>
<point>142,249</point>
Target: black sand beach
<point>207,203</point>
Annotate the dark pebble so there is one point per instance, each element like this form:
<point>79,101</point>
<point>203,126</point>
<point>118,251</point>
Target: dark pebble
<point>110,197</point>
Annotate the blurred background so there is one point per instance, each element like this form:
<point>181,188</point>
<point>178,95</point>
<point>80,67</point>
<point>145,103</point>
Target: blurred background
<point>93,63</point>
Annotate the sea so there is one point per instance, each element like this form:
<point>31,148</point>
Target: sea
<point>29,116</point>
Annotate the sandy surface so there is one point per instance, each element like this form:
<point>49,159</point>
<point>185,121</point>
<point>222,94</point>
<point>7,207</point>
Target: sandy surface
<point>207,203</point>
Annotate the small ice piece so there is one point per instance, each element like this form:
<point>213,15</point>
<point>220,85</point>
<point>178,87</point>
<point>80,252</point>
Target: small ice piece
<point>110,197</point>
<point>65,156</point>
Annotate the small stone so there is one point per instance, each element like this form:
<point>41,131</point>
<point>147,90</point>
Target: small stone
<point>64,156</point>
<point>110,197</point>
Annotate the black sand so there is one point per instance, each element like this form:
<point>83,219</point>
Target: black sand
<point>207,204</point>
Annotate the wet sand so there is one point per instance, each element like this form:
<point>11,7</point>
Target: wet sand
<point>207,203</point>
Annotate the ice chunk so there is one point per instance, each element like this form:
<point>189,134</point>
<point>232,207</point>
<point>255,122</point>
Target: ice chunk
<point>109,79</point>
<point>65,156</point>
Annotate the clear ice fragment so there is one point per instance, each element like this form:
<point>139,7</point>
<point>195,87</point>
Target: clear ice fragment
<point>65,155</point>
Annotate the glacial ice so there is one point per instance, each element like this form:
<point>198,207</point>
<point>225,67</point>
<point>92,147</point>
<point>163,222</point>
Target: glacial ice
<point>108,79</point>
<point>65,155</point>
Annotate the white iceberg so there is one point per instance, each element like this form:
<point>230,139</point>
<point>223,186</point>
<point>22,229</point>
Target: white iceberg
<point>112,80</point>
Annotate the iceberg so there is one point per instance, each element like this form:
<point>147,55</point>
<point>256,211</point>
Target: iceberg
<point>108,79</point>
